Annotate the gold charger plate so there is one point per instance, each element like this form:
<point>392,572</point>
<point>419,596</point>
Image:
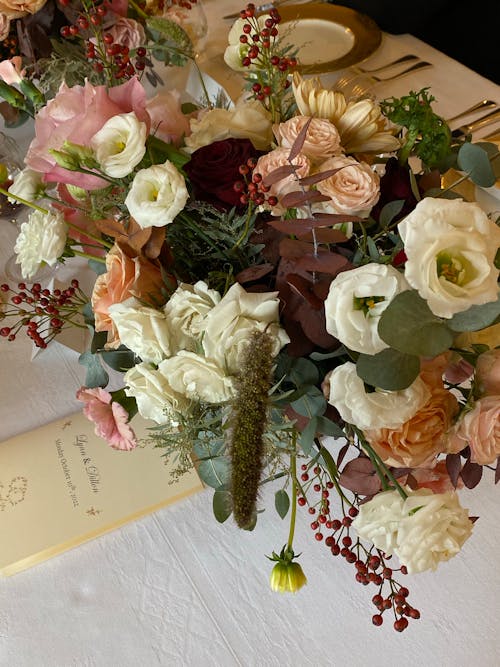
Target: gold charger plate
<point>329,37</point>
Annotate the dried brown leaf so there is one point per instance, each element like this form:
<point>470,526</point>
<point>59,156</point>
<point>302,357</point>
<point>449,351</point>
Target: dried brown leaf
<point>298,198</point>
<point>278,174</point>
<point>471,474</point>
<point>304,287</point>
<point>153,246</point>
<point>324,262</point>
<point>293,249</point>
<point>319,176</point>
<point>359,476</point>
<point>453,466</point>
<point>253,273</point>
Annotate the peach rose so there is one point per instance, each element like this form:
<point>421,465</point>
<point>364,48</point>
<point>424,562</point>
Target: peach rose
<point>125,277</point>
<point>419,440</point>
<point>322,138</point>
<point>354,189</point>
<point>488,373</point>
<point>15,9</point>
<point>480,429</point>
<point>278,158</point>
<point>127,32</point>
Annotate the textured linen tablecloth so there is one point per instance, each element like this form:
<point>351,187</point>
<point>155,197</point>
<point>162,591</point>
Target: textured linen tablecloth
<point>177,588</point>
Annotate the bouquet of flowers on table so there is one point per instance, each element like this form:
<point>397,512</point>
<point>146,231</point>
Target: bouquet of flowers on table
<point>288,301</point>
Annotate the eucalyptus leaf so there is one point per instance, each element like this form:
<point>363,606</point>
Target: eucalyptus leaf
<point>307,436</point>
<point>389,369</point>
<point>99,339</point>
<point>311,404</point>
<point>325,426</point>
<point>408,325</point>
<point>121,359</point>
<point>372,249</point>
<point>390,211</point>
<point>206,450</point>
<point>474,160</point>
<point>222,503</point>
<point>476,317</point>
<point>215,471</point>
<point>303,372</point>
<point>95,376</point>
<point>282,502</point>
<point>97,267</point>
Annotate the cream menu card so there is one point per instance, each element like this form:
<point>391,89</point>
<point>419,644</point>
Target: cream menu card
<point>61,485</point>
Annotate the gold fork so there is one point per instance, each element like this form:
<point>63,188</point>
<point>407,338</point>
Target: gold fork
<point>364,83</point>
<point>356,72</point>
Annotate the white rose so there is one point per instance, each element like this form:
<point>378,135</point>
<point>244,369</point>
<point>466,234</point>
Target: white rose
<point>27,184</point>
<point>433,528</point>
<point>451,246</point>
<point>186,311</point>
<point>142,329</point>
<point>157,195</point>
<point>197,378</point>
<point>355,302</point>
<point>376,409</point>
<point>379,519</point>
<point>322,138</point>
<point>354,189</point>
<point>246,120</point>
<point>120,144</point>
<point>41,239</point>
<point>155,397</point>
<point>229,325</point>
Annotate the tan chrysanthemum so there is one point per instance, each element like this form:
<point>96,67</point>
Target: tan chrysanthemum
<point>361,125</point>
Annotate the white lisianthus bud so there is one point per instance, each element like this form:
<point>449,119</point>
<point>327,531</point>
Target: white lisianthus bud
<point>157,195</point>
<point>27,184</point>
<point>376,409</point>
<point>120,144</point>
<point>41,239</point>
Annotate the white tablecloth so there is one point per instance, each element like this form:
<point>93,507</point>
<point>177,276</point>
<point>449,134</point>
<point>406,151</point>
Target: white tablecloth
<point>177,588</point>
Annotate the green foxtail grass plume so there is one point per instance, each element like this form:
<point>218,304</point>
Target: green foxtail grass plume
<point>249,422</point>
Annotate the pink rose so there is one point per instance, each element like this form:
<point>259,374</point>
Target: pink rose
<point>278,158</point>
<point>355,188</point>
<point>488,373</point>
<point>4,31</point>
<point>167,120</point>
<point>322,137</point>
<point>76,114</point>
<point>110,418</point>
<point>127,32</point>
<point>480,429</point>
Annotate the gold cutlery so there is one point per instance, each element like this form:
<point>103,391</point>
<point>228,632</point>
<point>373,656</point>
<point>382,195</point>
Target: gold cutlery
<point>475,125</point>
<point>356,72</point>
<point>260,9</point>
<point>495,135</point>
<point>364,83</point>
<point>482,105</point>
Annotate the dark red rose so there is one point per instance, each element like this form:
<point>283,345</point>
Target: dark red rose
<point>395,184</point>
<point>214,169</point>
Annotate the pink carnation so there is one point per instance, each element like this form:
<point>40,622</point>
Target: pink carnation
<point>76,114</point>
<point>110,418</point>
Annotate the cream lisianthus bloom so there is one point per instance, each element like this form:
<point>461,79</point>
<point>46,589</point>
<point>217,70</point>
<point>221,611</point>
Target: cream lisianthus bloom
<point>361,125</point>
<point>157,195</point>
<point>451,247</point>
<point>246,120</point>
<point>376,409</point>
<point>356,301</point>
<point>142,329</point>
<point>42,239</point>
<point>120,144</point>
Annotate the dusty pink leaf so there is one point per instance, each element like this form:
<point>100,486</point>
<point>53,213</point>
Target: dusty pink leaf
<point>471,474</point>
<point>253,273</point>
<point>359,476</point>
<point>312,321</point>
<point>298,198</point>
<point>320,176</point>
<point>299,142</point>
<point>323,235</point>
<point>301,227</point>
<point>324,262</point>
<point>453,466</point>
<point>278,174</point>
<point>304,287</point>
<point>293,249</point>
<point>342,452</point>
<point>336,218</point>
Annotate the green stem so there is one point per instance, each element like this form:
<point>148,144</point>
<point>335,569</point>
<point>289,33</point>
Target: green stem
<point>137,9</point>
<point>83,232</point>
<point>382,470</point>
<point>87,256</point>
<point>204,88</point>
<point>23,201</point>
<point>293,515</point>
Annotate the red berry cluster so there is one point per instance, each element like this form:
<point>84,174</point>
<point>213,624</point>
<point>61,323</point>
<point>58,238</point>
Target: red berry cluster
<point>371,566</point>
<point>42,313</point>
<point>261,41</point>
<point>103,53</point>
<point>253,190</point>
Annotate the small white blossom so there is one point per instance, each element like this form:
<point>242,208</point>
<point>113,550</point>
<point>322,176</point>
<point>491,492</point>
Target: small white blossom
<point>120,144</point>
<point>41,239</point>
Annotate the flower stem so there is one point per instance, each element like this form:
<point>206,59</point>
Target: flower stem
<point>293,514</point>
<point>86,254</point>
<point>23,201</point>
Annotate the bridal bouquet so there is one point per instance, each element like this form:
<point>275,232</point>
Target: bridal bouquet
<point>286,298</point>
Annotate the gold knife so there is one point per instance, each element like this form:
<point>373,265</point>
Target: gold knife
<point>258,10</point>
<point>475,125</point>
